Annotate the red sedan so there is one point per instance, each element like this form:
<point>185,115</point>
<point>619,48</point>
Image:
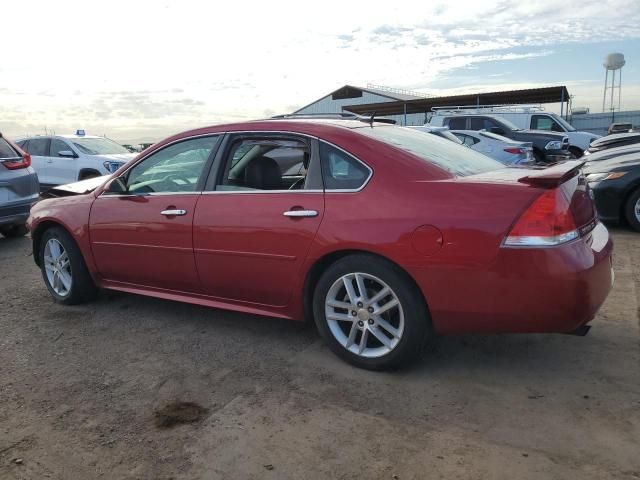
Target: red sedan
<point>381,234</point>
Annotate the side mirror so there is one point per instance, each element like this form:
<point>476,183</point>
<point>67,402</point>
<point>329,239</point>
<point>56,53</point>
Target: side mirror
<point>497,130</point>
<point>116,186</point>
<point>67,154</point>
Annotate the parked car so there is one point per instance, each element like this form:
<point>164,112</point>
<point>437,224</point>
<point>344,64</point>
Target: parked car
<point>620,128</point>
<point>61,159</point>
<point>613,141</point>
<point>612,152</point>
<point>503,149</point>
<point>616,186</point>
<point>382,234</point>
<point>443,132</point>
<point>18,188</point>
<point>548,147</point>
<point>533,118</point>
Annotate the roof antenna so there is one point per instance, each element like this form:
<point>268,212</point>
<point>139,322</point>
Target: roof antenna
<point>371,119</point>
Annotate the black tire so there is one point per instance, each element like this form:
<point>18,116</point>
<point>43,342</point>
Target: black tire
<point>88,175</point>
<point>538,157</point>
<point>576,152</point>
<point>630,210</point>
<point>417,322</point>
<point>14,231</point>
<point>82,287</point>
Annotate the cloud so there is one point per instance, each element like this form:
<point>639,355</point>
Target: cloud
<point>174,71</point>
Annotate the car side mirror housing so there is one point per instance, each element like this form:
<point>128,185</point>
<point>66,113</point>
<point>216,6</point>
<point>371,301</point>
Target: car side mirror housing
<point>116,186</point>
<point>497,130</point>
<point>67,154</point>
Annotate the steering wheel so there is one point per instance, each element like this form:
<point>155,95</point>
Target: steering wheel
<point>174,176</point>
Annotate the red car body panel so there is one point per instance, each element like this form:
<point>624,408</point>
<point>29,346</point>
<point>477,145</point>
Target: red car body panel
<point>237,250</point>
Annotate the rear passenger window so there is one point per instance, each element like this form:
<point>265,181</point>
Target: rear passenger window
<point>467,140</point>
<point>340,170</point>
<point>267,164</point>
<point>457,124</point>
<point>6,151</point>
<point>480,123</point>
<point>39,147</point>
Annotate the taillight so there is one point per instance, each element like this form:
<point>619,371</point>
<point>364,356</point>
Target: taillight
<point>16,163</point>
<point>515,151</point>
<point>548,221</point>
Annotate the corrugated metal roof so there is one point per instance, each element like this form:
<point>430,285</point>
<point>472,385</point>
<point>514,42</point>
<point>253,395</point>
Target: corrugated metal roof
<point>421,105</point>
<point>391,94</point>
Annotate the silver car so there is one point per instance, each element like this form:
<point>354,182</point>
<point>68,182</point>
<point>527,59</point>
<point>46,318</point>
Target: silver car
<point>19,188</point>
<point>503,149</point>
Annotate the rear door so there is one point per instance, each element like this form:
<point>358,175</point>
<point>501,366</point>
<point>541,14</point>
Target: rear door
<point>255,223</point>
<point>38,148</point>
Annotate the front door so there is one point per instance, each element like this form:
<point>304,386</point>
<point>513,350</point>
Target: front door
<point>143,236</point>
<point>255,223</point>
<point>62,169</point>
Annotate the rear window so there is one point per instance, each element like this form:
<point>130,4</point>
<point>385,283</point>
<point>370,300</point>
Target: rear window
<point>456,159</point>
<point>6,150</point>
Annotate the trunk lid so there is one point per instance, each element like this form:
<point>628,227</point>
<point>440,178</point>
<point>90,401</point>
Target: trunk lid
<point>567,178</point>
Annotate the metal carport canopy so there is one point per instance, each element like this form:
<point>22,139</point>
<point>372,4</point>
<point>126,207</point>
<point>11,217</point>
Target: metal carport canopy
<point>422,105</point>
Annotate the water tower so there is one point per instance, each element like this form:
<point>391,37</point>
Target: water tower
<point>612,63</point>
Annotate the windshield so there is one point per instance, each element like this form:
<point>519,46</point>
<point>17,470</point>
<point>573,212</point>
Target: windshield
<point>456,159</point>
<point>98,146</point>
<point>567,126</point>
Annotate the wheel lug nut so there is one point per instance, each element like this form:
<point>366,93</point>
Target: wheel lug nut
<point>354,313</point>
<point>360,304</point>
<point>370,321</point>
<point>370,309</point>
<point>360,323</point>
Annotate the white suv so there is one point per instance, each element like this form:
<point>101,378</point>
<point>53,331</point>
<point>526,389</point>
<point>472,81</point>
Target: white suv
<point>528,118</point>
<point>61,159</point>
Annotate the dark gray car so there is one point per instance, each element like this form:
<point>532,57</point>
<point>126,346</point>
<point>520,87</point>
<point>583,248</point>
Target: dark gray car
<point>19,188</point>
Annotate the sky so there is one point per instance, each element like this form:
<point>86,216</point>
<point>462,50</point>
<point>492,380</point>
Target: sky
<point>140,71</point>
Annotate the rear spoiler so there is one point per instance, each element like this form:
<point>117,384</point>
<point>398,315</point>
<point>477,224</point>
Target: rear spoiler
<point>555,175</point>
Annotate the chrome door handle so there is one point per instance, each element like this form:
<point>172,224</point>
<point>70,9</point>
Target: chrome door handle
<point>173,213</point>
<point>300,213</point>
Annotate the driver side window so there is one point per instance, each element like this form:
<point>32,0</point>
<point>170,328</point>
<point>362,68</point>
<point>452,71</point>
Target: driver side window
<point>174,169</point>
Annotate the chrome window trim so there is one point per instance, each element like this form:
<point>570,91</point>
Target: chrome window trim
<point>152,153</point>
<point>349,190</point>
<point>256,192</point>
<point>245,192</point>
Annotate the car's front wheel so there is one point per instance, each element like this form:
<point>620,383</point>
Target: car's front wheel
<point>370,313</point>
<point>63,268</point>
<point>632,210</point>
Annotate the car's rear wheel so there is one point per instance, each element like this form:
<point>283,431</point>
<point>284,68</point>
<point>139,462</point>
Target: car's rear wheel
<point>13,231</point>
<point>632,210</point>
<point>370,313</point>
<point>63,269</point>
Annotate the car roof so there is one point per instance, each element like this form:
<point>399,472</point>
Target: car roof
<point>73,135</point>
<point>20,139</point>
<point>616,137</point>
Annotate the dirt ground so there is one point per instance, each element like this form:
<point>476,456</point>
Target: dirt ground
<point>134,387</point>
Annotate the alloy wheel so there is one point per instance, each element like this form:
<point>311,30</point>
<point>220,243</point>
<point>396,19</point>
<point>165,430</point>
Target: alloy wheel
<point>364,315</point>
<point>636,210</point>
<point>57,267</point>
